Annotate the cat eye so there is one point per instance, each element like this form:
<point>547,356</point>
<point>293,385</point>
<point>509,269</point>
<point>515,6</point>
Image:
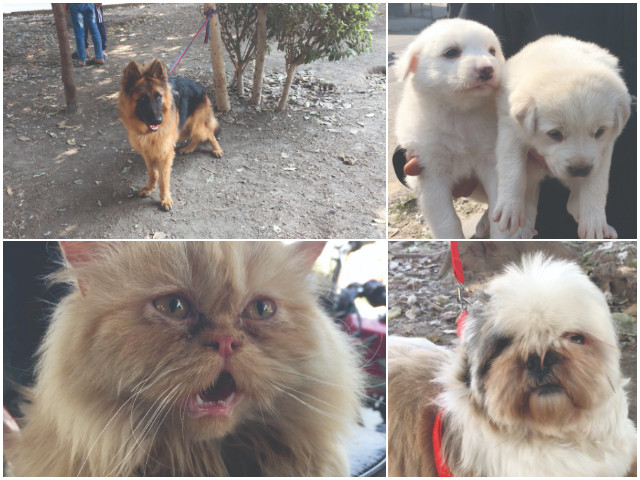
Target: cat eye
<point>173,306</point>
<point>452,53</point>
<point>260,309</point>
<point>555,135</point>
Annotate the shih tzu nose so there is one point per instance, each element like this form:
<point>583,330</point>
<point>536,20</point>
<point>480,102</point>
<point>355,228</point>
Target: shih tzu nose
<point>539,367</point>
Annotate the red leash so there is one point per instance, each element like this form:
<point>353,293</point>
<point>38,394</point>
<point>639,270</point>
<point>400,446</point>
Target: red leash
<point>206,38</point>
<point>436,434</point>
<point>459,274</point>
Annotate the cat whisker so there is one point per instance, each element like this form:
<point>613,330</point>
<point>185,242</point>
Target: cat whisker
<point>133,396</point>
<point>146,424</point>
<point>286,391</point>
<point>173,395</point>
<point>308,377</point>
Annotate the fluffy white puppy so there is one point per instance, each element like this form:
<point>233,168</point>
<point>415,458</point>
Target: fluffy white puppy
<point>562,105</point>
<point>534,388</point>
<point>447,115</point>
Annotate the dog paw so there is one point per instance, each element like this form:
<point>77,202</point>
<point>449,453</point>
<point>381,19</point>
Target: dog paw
<point>218,153</point>
<point>596,230</point>
<point>510,217</point>
<point>145,192</point>
<point>166,204</point>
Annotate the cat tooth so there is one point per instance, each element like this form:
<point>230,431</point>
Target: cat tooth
<point>199,400</point>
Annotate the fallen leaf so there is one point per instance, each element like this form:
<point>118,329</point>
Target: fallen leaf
<point>71,141</point>
<point>39,174</point>
<point>24,139</point>
<point>126,169</point>
<point>78,182</point>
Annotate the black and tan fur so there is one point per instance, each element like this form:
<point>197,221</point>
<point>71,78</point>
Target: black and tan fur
<point>157,112</point>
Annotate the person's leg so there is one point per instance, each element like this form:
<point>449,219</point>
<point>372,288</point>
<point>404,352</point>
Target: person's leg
<point>101,28</point>
<point>75,11</point>
<point>90,17</point>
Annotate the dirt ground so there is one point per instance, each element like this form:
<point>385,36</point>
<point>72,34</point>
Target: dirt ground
<point>422,295</point>
<point>283,175</point>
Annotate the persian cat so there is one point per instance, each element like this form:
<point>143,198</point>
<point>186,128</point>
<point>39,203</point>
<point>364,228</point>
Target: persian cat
<point>189,359</point>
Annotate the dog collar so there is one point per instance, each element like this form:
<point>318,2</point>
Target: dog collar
<point>436,439</point>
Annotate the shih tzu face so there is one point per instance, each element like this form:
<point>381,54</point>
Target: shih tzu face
<point>542,351</point>
<point>533,389</point>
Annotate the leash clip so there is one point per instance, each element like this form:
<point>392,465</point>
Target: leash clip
<point>462,301</point>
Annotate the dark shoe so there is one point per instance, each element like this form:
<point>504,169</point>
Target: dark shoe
<point>96,61</point>
<point>74,55</point>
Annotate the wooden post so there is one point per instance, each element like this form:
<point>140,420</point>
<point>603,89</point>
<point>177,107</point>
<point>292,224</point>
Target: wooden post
<point>65,57</point>
<point>217,61</point>
<point>261,50</point>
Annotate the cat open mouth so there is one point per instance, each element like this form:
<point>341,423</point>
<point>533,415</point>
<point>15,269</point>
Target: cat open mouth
<point>219,399</point>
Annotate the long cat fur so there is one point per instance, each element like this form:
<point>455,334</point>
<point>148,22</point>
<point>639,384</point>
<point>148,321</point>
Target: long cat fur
<point>104,401</point>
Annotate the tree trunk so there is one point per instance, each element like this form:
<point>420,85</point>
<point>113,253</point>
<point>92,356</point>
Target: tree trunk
<point>65,57</point>
<point>256,96</point>
<point>217,62</point>
<point>287,85</point>
<point>240,79</point>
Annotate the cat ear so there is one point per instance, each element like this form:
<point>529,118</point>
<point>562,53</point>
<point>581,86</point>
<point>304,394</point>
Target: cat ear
<point>80,252</point>
<point>309,251</point>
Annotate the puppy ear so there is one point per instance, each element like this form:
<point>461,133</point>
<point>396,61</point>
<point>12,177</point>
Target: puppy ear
<point>622,113</point>
<point>131,74</point>
<point>523,109</point>
<point>408,62</point>
<point>156,70</point>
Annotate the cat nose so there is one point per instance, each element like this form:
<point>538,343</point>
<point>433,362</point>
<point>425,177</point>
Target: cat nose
<point>225,345</point>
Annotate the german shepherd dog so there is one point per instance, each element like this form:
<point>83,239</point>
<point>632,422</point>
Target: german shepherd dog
<point>157,112</point>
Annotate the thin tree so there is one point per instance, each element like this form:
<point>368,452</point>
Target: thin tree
<point>65,57</point>
<point>261,51</point>
<point>306,32</point>
<point>217,61</point>
<point>238,29</point>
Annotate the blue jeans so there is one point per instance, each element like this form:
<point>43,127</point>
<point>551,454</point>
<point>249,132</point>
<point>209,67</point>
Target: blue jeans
<point>80,12</point>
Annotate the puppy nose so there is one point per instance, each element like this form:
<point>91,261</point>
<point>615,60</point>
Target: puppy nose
<point>540,367</point>
<point>579,170</point>
<point>225,345</point>
<point>485,73</point>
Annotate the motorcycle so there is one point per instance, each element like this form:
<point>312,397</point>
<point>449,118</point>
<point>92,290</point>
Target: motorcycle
<point>369,331</point>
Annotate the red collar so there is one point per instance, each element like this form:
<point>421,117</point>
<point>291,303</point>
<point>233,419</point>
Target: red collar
<point>436,439</point>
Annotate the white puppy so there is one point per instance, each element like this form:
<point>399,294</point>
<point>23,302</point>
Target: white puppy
<point>447,115</point>
<point>562,105</point>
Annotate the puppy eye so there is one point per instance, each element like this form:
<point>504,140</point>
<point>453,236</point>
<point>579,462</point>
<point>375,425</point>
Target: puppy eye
<point>158,95</point>
<point>260,309</point>
<point>575,338</point>
<point>599,132</point>
<point>452,53</point>
<point>173,306</point>
<point>555,135</point>
<point>492,51</point>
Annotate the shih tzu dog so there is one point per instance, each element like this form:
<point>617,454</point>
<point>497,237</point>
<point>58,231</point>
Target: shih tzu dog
<point>534,388</point>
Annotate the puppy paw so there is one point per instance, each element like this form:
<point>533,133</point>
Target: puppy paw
<point>166,204</point>
<point>509,217</point>
<point>218,152</point>
<point>596,230</point>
